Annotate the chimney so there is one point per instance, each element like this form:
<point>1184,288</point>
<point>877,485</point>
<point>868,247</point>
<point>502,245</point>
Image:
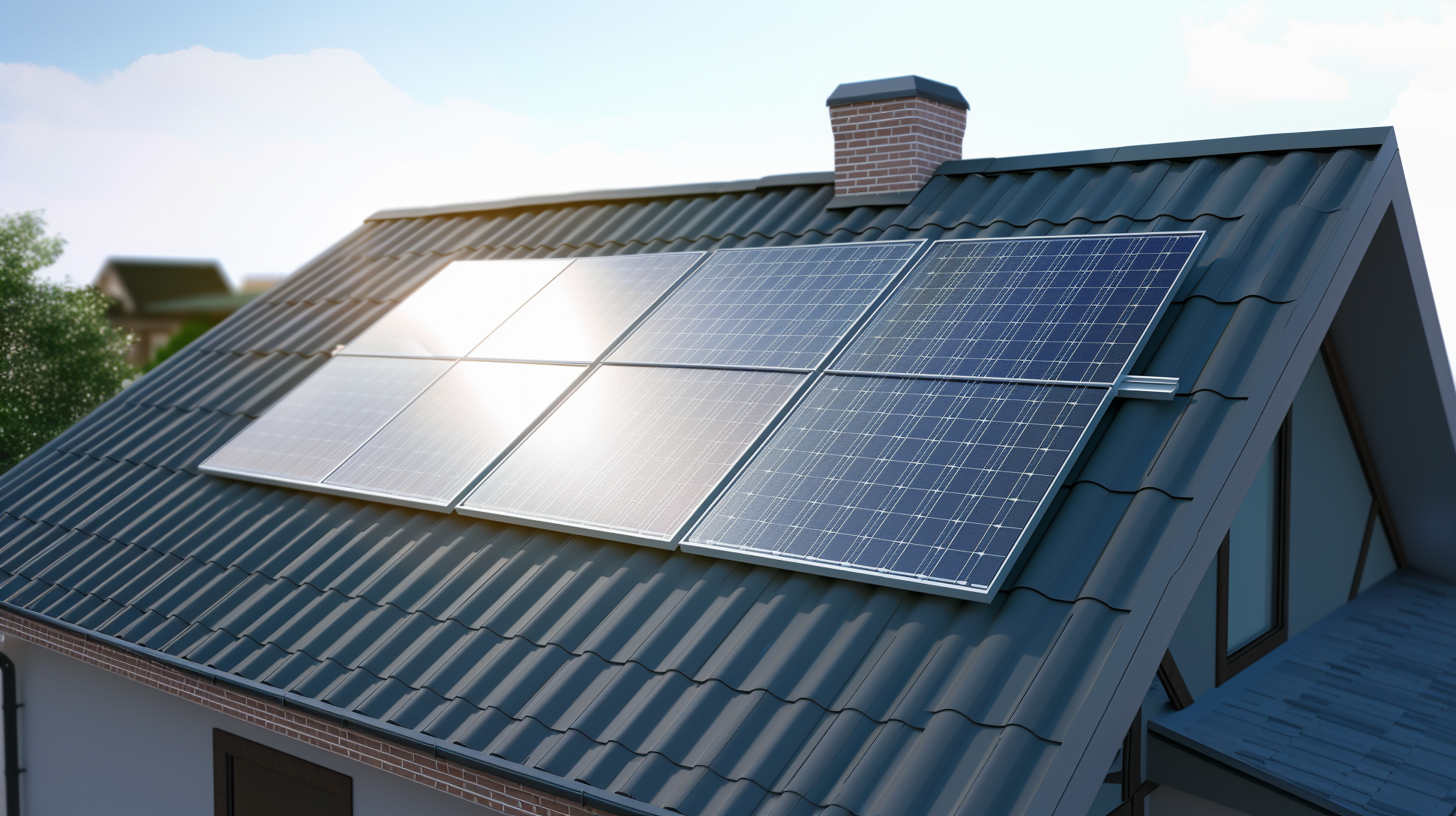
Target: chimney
<point>890,135</point>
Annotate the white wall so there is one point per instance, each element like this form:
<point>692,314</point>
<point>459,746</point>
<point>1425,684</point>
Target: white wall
<point>94,742</point>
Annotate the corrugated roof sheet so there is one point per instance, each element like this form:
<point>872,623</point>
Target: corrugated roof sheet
<point>704,686</point>
<point>1358,712</point>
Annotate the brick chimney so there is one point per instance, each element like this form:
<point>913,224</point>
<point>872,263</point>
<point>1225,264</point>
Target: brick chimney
<point>891,134</point>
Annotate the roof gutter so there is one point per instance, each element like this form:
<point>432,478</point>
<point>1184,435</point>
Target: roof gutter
<point>576,792</point>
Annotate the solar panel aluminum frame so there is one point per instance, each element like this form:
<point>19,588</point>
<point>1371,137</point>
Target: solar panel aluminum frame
<point>1032,527</point>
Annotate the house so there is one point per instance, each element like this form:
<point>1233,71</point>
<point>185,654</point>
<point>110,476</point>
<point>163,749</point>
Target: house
<point>155,297</point>
<point>1237,598</point>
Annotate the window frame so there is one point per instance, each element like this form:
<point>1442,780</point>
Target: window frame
<point>1226,665</point>
<point>226,746</point>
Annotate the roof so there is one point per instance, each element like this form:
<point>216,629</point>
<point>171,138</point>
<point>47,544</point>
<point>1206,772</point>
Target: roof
<point>148,281</point>
<point>1356,713</point>
<point>641,679</point>
<point>224,303</point>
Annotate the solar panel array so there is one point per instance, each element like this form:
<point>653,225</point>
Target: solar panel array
<point>814,407</point>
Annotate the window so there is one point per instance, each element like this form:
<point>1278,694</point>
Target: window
<point>1253,608</point>
<point>250,779</point>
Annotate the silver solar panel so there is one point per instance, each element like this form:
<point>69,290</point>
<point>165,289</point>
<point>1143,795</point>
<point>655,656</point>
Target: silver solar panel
<point>322,421</point>
<point>1064,308</point>
<point>768,307</point>
<point>587,307</point>
<point>435,448</point>
<point>454,310</point>
<point>634,450</point>
<point>930,484</point>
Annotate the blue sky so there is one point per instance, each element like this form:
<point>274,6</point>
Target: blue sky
<point>259,133</point>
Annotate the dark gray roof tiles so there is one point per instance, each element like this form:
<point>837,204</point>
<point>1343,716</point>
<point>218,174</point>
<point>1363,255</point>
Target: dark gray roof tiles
<point>684,682</point>
<point>1358,712</point>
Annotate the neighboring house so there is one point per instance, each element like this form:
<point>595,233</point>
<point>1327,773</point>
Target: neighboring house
<point>1240,600</point>
<point>155,297</point>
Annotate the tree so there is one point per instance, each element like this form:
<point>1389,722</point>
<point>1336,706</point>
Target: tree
<point>59,356</point>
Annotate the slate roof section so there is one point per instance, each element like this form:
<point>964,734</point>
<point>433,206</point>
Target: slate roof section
<point>1357,713</point>
<point>682,682</point>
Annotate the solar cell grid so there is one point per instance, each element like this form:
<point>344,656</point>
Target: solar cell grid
<point>584,309</point>
<point>322,421</point>
<point>935,481</point>
<point>452,311</point>
<point>767,307</point>
<point>1070,309</point>
<point>634,450</point>
<point>437,446</point>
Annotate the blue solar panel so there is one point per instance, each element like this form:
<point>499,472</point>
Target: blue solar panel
<point>906,481</point>
<point>769,307</point>
<point>634,451</point>
<point>1070,309</point>
<point>587,307</point>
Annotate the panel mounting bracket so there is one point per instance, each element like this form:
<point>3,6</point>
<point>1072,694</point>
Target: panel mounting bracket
<point>1153,388</point>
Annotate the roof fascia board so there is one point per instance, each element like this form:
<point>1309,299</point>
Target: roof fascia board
<point>1159,606</point>
<point>1268,143</point>
<point>1216,779</point>
<point>529,777</point>
<point>596,196</point>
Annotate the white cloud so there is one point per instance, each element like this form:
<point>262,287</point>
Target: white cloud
<point>262,163</point>
<point>1224,59</point>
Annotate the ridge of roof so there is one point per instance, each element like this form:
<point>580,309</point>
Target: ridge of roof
<point>625,194</point>
<point>1265,143</point>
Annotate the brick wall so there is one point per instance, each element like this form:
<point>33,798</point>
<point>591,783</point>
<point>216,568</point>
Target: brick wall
<point>456,780</point>
<point>892,145</point>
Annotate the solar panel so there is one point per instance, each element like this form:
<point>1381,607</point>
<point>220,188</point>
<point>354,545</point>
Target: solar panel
<point>928,484</point>
<point>584,309</point>
<point>634,451</point>
<point>769,307</point>
<point>456,308</point>
<point>1071,309</point>
<point>435,448</point>
<point>318,424</point>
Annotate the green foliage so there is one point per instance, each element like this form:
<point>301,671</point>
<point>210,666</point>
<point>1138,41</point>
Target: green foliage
<point>189,331</point>
<point>59,356</point>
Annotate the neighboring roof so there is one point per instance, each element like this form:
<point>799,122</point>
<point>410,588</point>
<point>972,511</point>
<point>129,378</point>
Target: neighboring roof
<point>150,280</point>
<point>1357,713</point>
<point>684,682</point>
<point>220,303</point>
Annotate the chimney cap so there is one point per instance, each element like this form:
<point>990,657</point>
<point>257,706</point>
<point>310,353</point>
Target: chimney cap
<point>898,88</point>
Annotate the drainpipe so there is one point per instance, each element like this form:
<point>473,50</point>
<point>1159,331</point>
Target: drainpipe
<point>8,708</point>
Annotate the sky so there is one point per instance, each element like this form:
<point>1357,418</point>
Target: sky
<point>260,133</point>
